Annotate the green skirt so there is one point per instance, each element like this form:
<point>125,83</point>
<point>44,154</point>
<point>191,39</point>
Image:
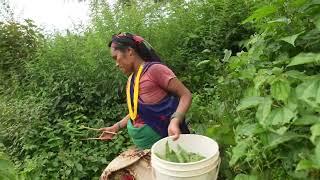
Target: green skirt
<point>143,137</point>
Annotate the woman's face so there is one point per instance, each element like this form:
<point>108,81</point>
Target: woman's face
<point>123,60</point>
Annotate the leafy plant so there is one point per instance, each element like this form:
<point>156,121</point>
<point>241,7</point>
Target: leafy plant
<point>281,70</point>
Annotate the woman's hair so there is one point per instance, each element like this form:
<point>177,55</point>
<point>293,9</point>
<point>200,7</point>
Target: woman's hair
<point>123,41</point>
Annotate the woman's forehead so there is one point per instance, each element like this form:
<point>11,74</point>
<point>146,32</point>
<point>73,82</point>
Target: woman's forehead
<point>113,50</point>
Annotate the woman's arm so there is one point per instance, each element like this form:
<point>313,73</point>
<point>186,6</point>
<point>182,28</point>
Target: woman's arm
<point>176,87</point>
<point>123,123</point>
<point>106,135</point>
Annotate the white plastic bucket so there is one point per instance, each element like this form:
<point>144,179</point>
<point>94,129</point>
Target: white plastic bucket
<point>206,169</point>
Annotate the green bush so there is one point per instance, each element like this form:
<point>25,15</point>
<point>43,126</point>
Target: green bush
<point>19,43</point>
<point>70,80</point>
<point>277,131</point>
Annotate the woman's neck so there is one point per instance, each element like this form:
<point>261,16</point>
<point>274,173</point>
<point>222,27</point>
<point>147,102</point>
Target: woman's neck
<point>137,64</point>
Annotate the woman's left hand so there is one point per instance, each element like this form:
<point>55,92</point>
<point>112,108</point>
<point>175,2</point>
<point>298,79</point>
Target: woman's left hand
<point>174,128</point>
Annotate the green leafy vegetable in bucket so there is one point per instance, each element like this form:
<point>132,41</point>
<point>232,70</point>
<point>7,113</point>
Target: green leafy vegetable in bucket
<point>181,156</point>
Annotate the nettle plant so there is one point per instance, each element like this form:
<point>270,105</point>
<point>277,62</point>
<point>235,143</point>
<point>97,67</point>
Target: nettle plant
<point>279,127</point>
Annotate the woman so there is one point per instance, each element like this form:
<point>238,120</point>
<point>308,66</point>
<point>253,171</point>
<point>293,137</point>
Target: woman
<point>157,100</point>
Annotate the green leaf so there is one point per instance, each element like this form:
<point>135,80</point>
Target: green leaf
<point>249,102</point>
<point>251,91</point>
<point>69,163</point>
<point>315,132</point>
<point>238,151</point>
<point>291,39</point>
<point>248,129</point>
<point>249,72</point>
<point>264,110</point>
<point>227,55</point>
<point>305,58</point>
<point>276,140</point>
<point>292,101</point>
<point>309,92</point>
<point>282,59</point>
<point>236,62</point>
<point>191,35</point>
<point>305,165</point>
<point>316,21</point>
<point>277,71</point>
<point>280,89</point>
<point>79,167</point>
<point>245,177</point>
<point>297,3</point>
<point>307,120</point>
<point>203,62</point>
<point>280,130</point>
<point>296,75</point>
<point>280,20</point>
<point>280,116</point>
<point>260,78</point>
<point>313,162</point>
<point>260,13</point>
<point>206,51</point>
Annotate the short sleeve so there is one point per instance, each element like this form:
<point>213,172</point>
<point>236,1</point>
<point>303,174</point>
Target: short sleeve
<point>161,75</point>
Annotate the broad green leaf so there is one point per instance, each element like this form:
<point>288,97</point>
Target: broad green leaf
<point>315,132</point>
<point>277,71</point>
<point>280,89</point>
<point>296,75</point>
<point>313,162</point>
<point>249,102</point>
<point>280,130</point>
<point>238,151</point>
<point>260,78</point>
<point>245,177</point>
<point>305,165</point>
<point>79,167</point>
<point>248,129</point>
<point>307,120</point>
<point>305,58</point>
<point>275,139</point>
<point>292,101</point>
<point>291,39</point>
<point>309,92</point>
<point>264,109</point>
<point>251,91</point>
<point>280,116</point>
<point>238,61</point>
<point>260,13</point>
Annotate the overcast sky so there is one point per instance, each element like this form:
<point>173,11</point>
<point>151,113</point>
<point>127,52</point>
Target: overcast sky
<point>52,14</point>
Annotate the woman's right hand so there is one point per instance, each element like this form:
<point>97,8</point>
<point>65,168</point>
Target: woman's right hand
<point>108,132</point>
